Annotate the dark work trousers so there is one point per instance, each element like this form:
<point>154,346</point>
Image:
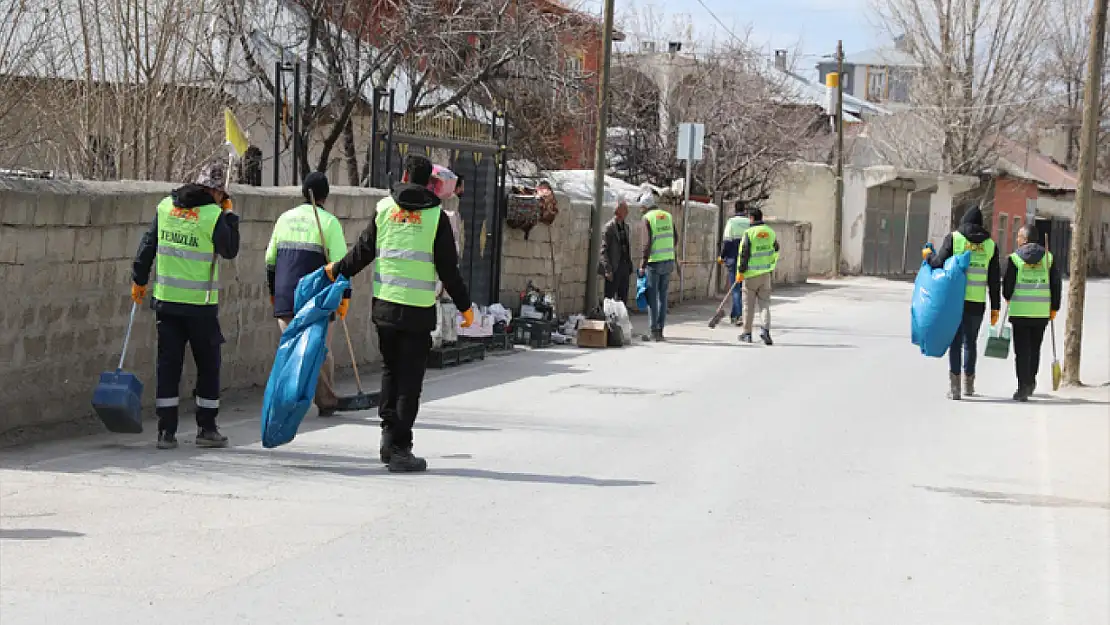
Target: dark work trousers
<point>1028,336</point>
<point>964,344</point>
<point>617,288</point>
<point>404,360</point>
<point>204,337</point>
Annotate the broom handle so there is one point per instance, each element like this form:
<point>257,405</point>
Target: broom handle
<point>327,259</point>
<point>127,337</point>
<point>1052,325</point>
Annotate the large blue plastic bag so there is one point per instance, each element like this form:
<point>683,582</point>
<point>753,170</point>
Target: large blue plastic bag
<point>938,304</point>
<point>301,352</point>
<point>641,293</point>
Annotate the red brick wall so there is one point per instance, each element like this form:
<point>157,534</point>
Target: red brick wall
<point>1010,197</point>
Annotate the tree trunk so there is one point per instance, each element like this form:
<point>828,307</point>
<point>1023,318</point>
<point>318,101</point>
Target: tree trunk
<point>351,153</point>
<point>1084,200</point>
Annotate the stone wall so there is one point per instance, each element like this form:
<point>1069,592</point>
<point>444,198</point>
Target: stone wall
<point>554,257</point>
<point>65,263</point>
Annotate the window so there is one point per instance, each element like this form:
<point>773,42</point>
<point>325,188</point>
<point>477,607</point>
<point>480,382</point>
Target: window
<point>576,64</point>
<point>1003,240</point>
<point>1017,229</point>
<point>876,84</point>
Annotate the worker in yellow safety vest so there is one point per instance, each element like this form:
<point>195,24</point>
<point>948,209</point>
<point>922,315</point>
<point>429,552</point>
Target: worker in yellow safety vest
<point>411,241</point>
<point>759,255</point>
<point>983,278</point>
<point>192,227</point>
<point>657,261</point>
<point>1033,289</point>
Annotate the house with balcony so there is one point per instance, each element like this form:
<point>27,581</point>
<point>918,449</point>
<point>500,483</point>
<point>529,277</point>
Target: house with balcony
<point>881,75</point>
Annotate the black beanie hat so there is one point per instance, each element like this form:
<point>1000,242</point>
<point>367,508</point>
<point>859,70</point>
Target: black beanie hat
<point>317,182</point>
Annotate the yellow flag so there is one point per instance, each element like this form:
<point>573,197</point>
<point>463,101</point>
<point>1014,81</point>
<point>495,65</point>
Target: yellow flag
<point>234,135</point>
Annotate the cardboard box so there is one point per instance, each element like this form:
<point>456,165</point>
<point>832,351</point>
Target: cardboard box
<point>592,334</point>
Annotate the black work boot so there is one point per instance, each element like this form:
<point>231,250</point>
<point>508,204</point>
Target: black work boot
<point>166,440</point>
<point>1022,394</point>
<point>953,386</point>
<point>211,437</point>
<point>766,336</point>
<point>401,460</point>
<point>969,384</point>
<point>167,428</point>
<point>746,337</point>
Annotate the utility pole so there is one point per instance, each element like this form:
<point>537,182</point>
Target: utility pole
<point>599,159</point>
<point>838,217</point>
<point>1088,144</point>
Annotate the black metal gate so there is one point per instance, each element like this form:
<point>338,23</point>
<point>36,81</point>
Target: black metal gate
<point>475,151</point>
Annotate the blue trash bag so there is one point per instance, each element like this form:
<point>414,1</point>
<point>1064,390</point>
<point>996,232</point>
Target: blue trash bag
<point>641,293</point>
<point>301,352</point>
<point>938,304</point>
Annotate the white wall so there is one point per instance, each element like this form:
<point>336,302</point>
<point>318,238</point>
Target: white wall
<point>807,192</point>
<point>855,206</point>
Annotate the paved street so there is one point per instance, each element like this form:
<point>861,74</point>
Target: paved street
<point>825,480</point>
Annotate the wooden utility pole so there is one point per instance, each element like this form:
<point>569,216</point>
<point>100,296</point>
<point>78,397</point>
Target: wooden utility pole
<point>838,217</point>
<point>599,160</point>
<point>1088,145</point>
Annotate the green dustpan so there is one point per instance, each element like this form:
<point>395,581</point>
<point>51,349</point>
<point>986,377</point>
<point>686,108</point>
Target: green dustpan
<point>998,340</point>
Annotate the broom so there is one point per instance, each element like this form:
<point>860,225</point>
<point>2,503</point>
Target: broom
<point>1056,373</point>
<point>727,301</point>
<point>361,401</point>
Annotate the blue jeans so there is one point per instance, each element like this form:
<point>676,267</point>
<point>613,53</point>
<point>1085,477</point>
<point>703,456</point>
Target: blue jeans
<point>658,280</point>
<point>737,293</point>
<point>964,345</point>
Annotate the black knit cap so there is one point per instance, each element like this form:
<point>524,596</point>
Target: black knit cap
<point>316,182</point>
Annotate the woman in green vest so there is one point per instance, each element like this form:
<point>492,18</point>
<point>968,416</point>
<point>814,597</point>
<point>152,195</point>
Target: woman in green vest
<point>1032,287</point>
<point>983,278</point>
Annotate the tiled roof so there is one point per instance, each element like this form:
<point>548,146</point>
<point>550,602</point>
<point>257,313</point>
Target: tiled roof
<point>1031,164</point>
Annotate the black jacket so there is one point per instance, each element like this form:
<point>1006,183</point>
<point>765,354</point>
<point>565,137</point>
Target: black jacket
<point>225,239</point>
<point>971,226</point>
<point>746,250</point>
<point>1033,253</point>
<point>399,316</point>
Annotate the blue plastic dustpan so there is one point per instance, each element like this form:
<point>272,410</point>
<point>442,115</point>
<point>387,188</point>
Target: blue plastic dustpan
<point>117,399</point>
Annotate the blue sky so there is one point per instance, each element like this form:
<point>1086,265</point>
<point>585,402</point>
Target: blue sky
<point>812,26</point>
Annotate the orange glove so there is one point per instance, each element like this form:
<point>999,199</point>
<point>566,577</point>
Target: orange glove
<point>925,252</point>
<point>329,270</point>
<point>468,318</point>
<point>137,293</point>
<point>343,307</point>
<point>994,317</point>
<point>720,261</point>
<point>226,204</point>
<point>739,277</point>
<point>272,300</point>
<point>1052,315</point>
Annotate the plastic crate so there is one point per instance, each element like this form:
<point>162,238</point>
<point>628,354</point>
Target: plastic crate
<point>452,355</point>
<point>532,332</point>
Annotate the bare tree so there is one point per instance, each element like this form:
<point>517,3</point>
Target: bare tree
<point>754,123</point>
<point>23,30</point>
<point>118,88</point>
<point>975,83</point>
<point>1064,70</point>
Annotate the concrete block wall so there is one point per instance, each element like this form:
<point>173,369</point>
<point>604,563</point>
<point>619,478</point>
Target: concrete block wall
<point>65,263</point>
<point>554,258</point>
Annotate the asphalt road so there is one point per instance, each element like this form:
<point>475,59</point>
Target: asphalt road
<point>823,480</point>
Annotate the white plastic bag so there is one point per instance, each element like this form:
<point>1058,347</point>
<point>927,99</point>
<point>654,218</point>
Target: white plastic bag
<point>447,329</point>
<point>617,312</point>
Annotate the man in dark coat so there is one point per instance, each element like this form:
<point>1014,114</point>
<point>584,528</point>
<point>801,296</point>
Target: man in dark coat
<point>615,260</point>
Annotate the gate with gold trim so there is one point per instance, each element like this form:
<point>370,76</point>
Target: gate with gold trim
<point>477,153</point>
